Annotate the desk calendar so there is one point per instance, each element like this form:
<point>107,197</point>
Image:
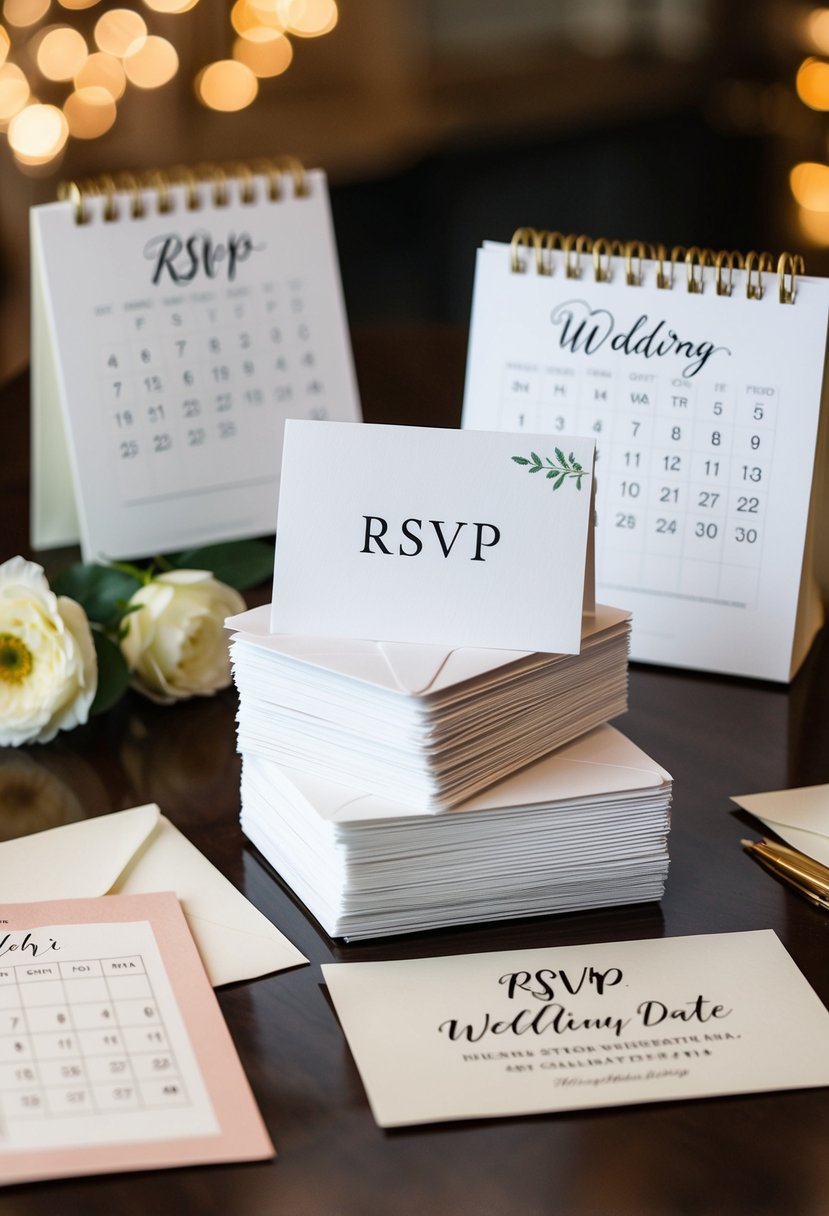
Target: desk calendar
<point>700,377</point>
<point>113,1052</point>
<point>177,322</point>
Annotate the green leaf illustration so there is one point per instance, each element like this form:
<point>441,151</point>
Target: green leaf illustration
<point>558,470</point>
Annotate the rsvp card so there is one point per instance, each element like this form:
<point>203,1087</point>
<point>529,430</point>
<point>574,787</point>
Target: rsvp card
<point>525,1031</point>
<point>418,534</point>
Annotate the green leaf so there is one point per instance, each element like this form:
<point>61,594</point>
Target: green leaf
<point>240,563</point>
<point>102,591</point>
<point>520,460</point>
<point>557,484</point>
<point>537,468</point>
<point>536,457</point>
<point>113,674</point>
<point>560,457</point>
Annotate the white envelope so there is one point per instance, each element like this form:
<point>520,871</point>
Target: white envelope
<point>136,851</point>
<point>601,764</point>
<point>799,816</point>
<point>415,668</point>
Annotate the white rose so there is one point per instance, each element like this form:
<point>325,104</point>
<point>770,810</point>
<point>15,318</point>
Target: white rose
<point>48,668</point>
<point>175,643</point>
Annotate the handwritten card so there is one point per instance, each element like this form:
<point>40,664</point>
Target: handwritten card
<point>525,1031</point>
<point>113,1051</point>
<point>417,534</point>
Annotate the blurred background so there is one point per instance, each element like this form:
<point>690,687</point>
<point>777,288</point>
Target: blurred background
<point>439,122</point>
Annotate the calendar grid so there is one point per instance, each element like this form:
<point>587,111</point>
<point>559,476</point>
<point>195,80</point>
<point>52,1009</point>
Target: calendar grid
<point>84,1037</point>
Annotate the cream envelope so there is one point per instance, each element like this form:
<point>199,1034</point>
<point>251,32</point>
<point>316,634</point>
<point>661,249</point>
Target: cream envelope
<point>415,669</point>
<point>602,763</point>
<point>799,816</point>
<point>137,852</point>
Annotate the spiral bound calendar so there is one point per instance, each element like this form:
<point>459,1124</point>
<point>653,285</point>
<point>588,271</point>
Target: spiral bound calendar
<point>178,320</point>
<point>700,376</point>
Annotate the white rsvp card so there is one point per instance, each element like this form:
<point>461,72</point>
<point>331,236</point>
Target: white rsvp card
<point>418,534</point>
<point>525,1031</point>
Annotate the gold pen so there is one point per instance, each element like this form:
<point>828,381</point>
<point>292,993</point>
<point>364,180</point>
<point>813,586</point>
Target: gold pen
<point>805,875</point>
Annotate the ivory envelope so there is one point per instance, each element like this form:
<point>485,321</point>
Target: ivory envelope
<point>138,852</point>
<point>413,668</point>
<point>799,816</point>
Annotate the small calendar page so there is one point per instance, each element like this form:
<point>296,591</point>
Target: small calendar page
<point>113,1053</point>
<point>169,347</point>
<point>704,408</point>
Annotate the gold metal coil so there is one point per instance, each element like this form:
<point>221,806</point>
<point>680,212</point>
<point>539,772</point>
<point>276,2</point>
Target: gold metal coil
<point>698,262</point>
<point>160,183</point>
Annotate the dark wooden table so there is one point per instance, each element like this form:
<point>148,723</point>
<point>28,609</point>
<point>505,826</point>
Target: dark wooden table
<point>758,1155</point>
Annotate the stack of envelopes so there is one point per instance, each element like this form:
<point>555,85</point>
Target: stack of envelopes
<point>585,827</point>
<point>400,787</point>
<point>425,725</point>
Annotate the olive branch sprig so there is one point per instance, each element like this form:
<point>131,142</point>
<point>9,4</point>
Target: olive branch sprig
<point>567,466</point>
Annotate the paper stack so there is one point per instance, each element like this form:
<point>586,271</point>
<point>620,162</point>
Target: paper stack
<point>400,787</point>
<point>426,725</point>
<point>585,827</point>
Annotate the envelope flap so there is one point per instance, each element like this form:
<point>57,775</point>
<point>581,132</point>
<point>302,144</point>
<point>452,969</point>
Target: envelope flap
<point>806,807</point>
<point>799,816</point>
<point>75,860</point>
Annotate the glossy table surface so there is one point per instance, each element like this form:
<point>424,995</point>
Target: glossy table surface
<point>760,1154</point>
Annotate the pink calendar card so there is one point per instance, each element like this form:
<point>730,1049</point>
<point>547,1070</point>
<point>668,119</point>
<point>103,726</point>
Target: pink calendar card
<point>113,1051</point>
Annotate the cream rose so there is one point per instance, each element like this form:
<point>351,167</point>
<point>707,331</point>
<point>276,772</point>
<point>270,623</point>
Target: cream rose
<point>48,668</point>
<point>175,643</point>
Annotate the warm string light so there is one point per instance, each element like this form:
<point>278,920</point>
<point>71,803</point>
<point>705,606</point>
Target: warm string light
<point>122,51</point>
<point>809,180</point>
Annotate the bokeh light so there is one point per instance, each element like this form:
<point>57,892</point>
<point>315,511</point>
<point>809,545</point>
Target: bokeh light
<point>104,71</point>
<point>809,182</point>
<point>90,111</point>
<point>23,13</point>
<point>122,50</point>
<point>308,18</point>
<point>226,85</point>
<point>812,84</point>
<point>814,225</point>
<point>117,30</point>
<point>61,53</point>
<point>265,52</point>
<point>247,18</point>
<point>171,6</point>
<point>38,133</point>
<point>817,29</point>
<point>152,61</point>
<point>14,91</point>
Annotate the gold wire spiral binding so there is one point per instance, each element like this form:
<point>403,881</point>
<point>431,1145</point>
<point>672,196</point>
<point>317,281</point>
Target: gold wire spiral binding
<point>522,237</point>
<point>640,251</point>
<point>158,184</point>
<point>725,261</point>
<point>574,247</point>
<point>602,255</point>
<point>698,262</point>
<point>129,182</point>
<point>788,266</point>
